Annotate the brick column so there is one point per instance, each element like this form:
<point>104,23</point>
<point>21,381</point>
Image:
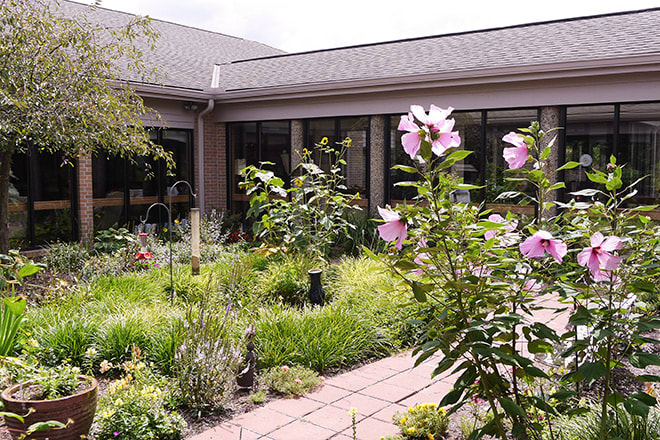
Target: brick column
<point>297,142</point>
<point>85,200</point>
<point>215,164</point>
<point>377,169</point>
<point>550,119</point>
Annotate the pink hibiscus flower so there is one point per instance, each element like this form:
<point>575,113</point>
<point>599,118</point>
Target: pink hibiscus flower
<point>436,128</point>
<point>506,239</point>
<point>598,256</point>
<point>538,244</point>
<point>446,138</point>
<point>517,155</point>
<point>412,140</point>
<point>394,229</point>
<point>422,258</point>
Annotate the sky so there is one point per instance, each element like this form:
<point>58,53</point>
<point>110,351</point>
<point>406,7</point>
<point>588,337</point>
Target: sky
<point>297,25</point>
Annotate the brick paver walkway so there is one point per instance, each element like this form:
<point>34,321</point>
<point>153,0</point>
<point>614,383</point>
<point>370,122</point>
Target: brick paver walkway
<point>376,390</point>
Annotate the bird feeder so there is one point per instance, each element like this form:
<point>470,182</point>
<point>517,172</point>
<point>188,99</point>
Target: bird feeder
<point>144,253</point>
<point>194,240</point>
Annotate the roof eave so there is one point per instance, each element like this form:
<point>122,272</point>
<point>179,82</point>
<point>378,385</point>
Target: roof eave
<point>598,67</point>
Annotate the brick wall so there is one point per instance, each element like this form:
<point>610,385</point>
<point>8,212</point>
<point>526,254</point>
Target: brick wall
<point>85,199</point>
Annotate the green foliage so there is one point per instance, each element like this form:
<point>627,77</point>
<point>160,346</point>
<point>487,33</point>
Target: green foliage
<point>14,267</point>
<point>52,383</point>
<point>163,347</point>
<point>206,363</point>
<point>318,338</point>
<point>481,282</point>
<point>422,421</point>
<point>113,240</point>
<point>366,287</point>
<point>258,397</point>
<point>290,381</point>
<point>66,257</point>
<point>310,216</point>
<point>621,425</point>
<point>118,335</point>
<point>66,339</point>
<point>134,407</point>
<point>286,280</point>
<point>363,233</point>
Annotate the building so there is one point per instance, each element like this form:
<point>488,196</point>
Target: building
<point>229,102</point>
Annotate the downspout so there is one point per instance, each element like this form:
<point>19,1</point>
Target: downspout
<point>200,152</point>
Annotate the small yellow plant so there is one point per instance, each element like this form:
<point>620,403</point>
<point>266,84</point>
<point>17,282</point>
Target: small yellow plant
<point>424,421</point>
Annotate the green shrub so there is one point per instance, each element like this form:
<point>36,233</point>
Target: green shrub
<point>620,425</point>
<point>258,397</point>
<point>66,257</point>
<point>422,421</point>
<point>135,409</point>
<point>66,340</point>
<point>118,336</point>
<point>286,280</point>
<point>290,381</point>
<point>112,240</point>
<point>318,338</point>
<point>206,363</point>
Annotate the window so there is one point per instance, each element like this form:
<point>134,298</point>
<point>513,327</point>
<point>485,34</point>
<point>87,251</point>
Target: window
<point>40,209</point>
<point>589,140</point>
<point>638,149</point>
<point>254,142</point>
<point>336,130</point>
<point>500,123</point>
<point>123,188</point>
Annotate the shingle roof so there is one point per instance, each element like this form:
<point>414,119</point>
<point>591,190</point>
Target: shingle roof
<point>184,55</point>
<point>581,39</point>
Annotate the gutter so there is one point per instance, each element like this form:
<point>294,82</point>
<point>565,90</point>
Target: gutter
<point>200,155</point>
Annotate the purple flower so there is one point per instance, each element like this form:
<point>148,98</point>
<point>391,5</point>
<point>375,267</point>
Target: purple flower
<point>116,433</point>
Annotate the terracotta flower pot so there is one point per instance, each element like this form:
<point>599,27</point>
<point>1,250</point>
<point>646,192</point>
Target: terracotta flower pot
<point>80,408</point>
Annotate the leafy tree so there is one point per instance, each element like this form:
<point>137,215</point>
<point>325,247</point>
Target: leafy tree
<point>64,88</point>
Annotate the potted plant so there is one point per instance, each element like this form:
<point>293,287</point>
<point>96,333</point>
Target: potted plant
<point>55,404</point>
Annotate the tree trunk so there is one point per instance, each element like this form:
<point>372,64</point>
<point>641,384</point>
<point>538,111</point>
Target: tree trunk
<point>5,168</point>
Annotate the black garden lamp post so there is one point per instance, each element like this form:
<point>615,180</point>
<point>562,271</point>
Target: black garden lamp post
<point>316,292</point>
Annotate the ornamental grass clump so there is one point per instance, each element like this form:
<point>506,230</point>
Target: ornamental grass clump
<point>207,361</point>
<point>291,381</point>
<point>423,421</point>
<point>481,274</point>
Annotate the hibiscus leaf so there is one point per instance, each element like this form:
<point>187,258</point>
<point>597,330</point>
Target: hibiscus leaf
<point>405,169</point>
<point>569,166</point>
<point>418,291</point>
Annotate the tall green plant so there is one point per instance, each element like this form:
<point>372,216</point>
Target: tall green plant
<point>482,274</point>
<point>310,215</point>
